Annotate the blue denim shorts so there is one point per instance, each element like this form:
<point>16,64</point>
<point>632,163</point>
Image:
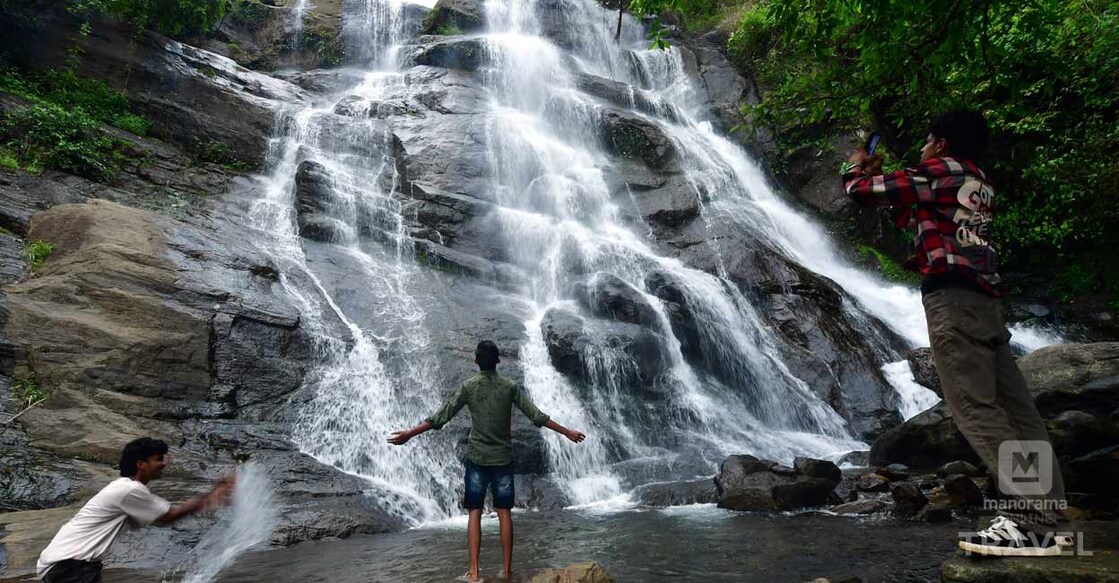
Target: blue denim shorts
<point>497,479</point>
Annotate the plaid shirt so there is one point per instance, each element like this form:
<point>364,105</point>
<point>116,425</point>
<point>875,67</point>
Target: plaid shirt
<point>951,204</point>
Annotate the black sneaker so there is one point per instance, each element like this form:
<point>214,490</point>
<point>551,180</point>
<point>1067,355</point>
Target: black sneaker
<point>1003,538</point>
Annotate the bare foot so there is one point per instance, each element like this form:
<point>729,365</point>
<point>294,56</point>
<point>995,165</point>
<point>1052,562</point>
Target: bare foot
<point>471,579</point>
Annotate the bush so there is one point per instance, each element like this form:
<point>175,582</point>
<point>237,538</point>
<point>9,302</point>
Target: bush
<point>37,253</point>
<point>66,89</point>
<point>169,17</point>
<point>51,136</point>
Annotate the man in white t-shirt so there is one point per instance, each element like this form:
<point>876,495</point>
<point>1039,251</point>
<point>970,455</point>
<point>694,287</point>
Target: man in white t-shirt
<point>74,555</point>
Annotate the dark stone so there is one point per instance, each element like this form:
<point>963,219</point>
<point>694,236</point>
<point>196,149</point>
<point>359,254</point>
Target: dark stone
<point>908,498</point>
<point>803,493</point>
<point>936,512</point>
<point>962,491</point>
<point>632,137</point>
<point>958,467</point>
<point>608,296</point>
<point>634,353</point>
<point>817,469</point>
<point>894,472</point>
<point>924,370</point>
<point>872,483</point>
<point>678,493</point>
<point>313,188</point>
<point>781,470</point>
<point>928,440</point>
<point>684,326</point>
<point>463,15</point>
<point>1088,472</point>
<point>859,459</point>
<point>466,54</point>
<point>747,483</point>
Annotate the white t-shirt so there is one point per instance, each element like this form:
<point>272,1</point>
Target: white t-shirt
<point>91,531</point>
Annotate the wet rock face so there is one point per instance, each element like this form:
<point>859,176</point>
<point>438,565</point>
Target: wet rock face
<point>602,353</point>
<point>608,296</point>
<point>662,495</point>
<point>631,137</point>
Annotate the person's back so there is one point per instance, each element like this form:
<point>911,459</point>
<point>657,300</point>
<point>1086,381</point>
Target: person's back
<point>490,398</point>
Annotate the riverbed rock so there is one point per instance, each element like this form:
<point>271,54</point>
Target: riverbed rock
<point>1101,567</point>
<point>958,467</point>
<point>661,495</point>
<point>908,498</point>
<point>962,491</point>
<point>864,506</point>
<point>817,469</point>
<point>577,573</point>
<point>747,483</point>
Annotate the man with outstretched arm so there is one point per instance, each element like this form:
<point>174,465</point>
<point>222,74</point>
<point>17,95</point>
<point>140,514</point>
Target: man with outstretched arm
<point>74,554</point>
<point>489,457</point>
<point>950,202</point>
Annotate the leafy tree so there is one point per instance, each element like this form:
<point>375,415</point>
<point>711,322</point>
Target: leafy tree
<point>1044,72</point>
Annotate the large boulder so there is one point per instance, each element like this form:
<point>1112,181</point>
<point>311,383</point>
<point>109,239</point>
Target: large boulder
<point>629,136</point>
<point>608,296</point>
<point>603,353</point>
<point>745,482</point>
<point>466,54</point>
<point>455,17</point>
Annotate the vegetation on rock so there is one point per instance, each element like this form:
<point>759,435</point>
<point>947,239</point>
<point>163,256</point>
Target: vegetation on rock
<point>37,252</point>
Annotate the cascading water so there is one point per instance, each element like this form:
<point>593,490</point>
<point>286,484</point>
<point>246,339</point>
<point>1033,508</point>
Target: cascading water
<point>560,232</point>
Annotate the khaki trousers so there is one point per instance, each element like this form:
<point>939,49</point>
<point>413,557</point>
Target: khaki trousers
<point>987,394</point>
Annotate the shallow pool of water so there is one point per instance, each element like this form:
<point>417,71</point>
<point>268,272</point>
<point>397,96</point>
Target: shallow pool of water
<point>685,544</point>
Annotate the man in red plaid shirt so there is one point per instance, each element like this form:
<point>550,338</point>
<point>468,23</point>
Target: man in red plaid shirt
<point>951,203</point>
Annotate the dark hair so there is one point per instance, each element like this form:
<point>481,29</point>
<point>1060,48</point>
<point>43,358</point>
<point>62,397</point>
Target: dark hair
<point>965,130</point>
<point>139,450</point>
<point>486,355</point>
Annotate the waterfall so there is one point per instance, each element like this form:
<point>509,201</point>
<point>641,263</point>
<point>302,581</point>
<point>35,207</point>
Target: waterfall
<point>560,228</point>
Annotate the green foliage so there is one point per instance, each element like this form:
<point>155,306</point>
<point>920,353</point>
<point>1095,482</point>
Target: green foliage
<point>448,30</point>
<point>65,89</point>
<point>51,136</point>
<point>1074,280</point>
<point>887,267</point>
<point>170,17</point>
<point>249,13</point>
<point>8,159</point>
<point>326,42</point>
<point>37,252</point>
<point>1044,72</point>
<point>221,154</point>
<point>27,391</point>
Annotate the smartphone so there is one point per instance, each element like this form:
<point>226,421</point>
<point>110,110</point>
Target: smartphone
<point>872,143</point>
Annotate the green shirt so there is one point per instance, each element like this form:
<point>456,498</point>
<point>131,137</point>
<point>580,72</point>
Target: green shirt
<point>490,398</point>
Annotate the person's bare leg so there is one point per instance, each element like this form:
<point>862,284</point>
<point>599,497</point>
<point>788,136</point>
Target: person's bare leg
<point>474,539</point>
<point>505,519</point>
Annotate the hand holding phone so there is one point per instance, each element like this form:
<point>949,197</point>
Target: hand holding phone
<point>871,143</point>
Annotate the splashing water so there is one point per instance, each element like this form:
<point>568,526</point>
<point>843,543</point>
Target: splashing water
<point>246,524</point>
